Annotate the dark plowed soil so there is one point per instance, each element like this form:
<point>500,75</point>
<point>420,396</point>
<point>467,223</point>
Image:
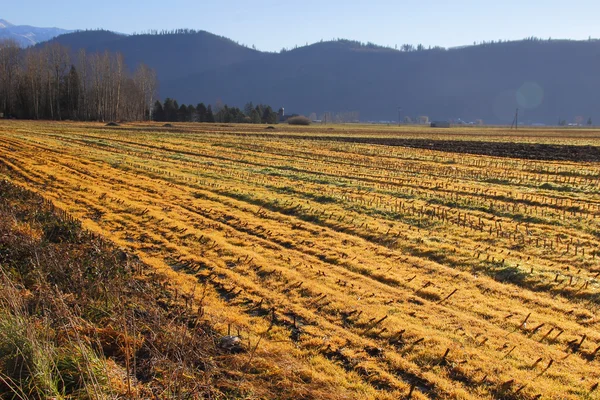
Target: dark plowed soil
<point>532,151</point>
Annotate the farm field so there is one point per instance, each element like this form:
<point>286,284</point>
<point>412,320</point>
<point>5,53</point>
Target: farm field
<point>386,271</point>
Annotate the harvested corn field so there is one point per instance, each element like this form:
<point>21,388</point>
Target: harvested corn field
<point>397,272</point>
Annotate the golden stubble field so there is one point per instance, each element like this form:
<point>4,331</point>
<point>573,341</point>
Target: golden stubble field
<point>368,271</point>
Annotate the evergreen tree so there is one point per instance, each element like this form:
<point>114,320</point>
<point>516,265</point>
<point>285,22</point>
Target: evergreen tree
<point>158,113</point>
<point>222,114</point>
<point>259,110</point>
<point>191,113</point>
<point>269,116</point>
<point>182,114</point>
<point>70,94</point>
<point>174,112</point>
<point>171,109</point>
<point>237,115</point>
<point>201,113</point>
<point>255,117</point>
<point>248,108</point>
<point>209,114</point>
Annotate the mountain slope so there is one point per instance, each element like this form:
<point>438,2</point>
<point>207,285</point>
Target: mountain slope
<point>546,80</point>
<point>26,35</point>
<point>172,55</point>
<point>5,24</point>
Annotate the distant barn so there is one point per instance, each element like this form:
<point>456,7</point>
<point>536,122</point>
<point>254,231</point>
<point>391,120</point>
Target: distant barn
<point>440,124</point>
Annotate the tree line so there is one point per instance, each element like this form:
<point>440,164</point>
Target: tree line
<point>171,111</point>
<point>51,83</point>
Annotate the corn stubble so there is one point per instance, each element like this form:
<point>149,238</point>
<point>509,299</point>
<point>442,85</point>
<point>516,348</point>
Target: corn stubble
<point>382,271</point>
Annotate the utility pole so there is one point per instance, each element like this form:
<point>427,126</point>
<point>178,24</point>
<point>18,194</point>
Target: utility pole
<point>399,114</point>
<point>515,122</point>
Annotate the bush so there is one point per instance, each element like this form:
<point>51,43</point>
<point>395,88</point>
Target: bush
<point>299,120</point>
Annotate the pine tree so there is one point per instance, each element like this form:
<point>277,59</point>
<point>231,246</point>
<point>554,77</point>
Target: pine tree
<point>248,108</point>
<point>171,109</point>
<point>201,113</point>
<point>182,114</point>
<point>209,114</point>
<point>70,94</point>
<point>158,113</point>
<point>269,116</point>
<point>255,117</point>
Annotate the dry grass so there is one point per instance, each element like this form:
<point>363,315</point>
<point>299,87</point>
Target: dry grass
<point>378,271</point>
<point>82,319</point>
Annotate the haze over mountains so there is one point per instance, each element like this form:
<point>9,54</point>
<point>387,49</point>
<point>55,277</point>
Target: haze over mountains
<point>547,80</point>
<point>26,35</point>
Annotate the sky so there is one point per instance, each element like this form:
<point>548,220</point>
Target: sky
<point>273,25</point>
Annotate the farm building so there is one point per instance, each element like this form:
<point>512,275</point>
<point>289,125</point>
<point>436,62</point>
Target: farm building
<point>440,124</point>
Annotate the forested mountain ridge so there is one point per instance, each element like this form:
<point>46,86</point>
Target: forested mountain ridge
<point>172,56</point>
<point>548,80</point>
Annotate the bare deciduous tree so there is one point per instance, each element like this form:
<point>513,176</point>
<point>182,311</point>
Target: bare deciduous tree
<point>43,83</point>
<point>9,68</point>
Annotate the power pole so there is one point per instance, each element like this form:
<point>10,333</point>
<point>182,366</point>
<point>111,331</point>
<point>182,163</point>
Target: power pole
<point>399,114</point>
<point>515,122</point>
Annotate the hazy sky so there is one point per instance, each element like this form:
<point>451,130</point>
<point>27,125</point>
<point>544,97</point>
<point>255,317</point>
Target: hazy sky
<point>272,25</point>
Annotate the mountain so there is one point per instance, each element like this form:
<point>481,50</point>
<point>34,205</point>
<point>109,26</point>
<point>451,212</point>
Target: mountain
<point>546,80</point>
<point>26,35</point>
<point>173,56</point>
<point>5,24</point>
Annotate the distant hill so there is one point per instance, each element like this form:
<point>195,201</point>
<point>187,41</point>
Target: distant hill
<point>546,80</point>
<point>173,56</point>
<point>26,35</point>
